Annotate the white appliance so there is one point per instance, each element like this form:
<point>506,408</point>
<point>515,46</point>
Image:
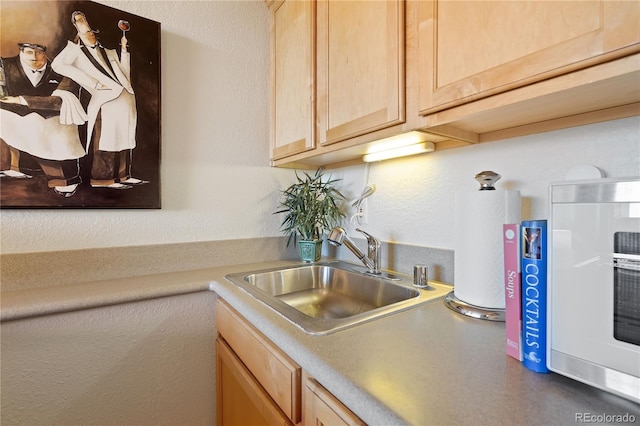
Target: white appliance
<point>594,284</point>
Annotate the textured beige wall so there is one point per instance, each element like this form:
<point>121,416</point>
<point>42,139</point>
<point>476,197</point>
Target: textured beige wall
<point>215,176</point>
<point>144,363</point>
<point>414,202</point>
<point>216,179</point>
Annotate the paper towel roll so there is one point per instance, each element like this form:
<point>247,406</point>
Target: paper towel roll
<point>479,259</point>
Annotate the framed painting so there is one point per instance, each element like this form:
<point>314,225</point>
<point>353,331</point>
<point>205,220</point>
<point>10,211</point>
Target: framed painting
<point>79,106</point>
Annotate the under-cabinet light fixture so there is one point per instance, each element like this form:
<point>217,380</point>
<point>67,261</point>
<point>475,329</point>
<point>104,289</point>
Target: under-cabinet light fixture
<point>403,151</point>
<point>410,143</point>
<point>399,146</point>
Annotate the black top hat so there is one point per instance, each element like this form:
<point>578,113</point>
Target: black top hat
<point>33,46</point>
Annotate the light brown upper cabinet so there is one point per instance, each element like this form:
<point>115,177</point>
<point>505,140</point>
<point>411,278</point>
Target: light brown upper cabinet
<point>292,77</point>
<point>474,49</point>
<point>498,69</point>
<point>348,73</point>
<point>360,67</point>
<point>338,72</point>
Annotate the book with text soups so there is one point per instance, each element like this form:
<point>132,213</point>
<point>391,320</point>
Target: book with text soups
<point>512,286</point>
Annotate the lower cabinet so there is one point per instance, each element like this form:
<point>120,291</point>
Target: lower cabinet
<point>258,384</point>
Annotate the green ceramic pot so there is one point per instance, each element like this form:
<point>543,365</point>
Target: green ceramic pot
<point>310,251</point>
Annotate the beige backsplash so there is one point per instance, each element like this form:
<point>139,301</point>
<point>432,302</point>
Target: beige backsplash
<point>402,257</point>
<point>47,269</point>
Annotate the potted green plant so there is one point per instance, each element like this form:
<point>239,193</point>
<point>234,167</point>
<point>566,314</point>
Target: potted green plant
<point>310,206</point>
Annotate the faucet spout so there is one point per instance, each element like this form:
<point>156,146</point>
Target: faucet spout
<point>338,236</point>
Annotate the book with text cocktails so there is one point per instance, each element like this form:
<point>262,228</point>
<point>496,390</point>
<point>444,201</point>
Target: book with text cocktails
<point>534,294</point>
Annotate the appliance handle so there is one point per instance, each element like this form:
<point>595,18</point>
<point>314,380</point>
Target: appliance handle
<point>630,262</point>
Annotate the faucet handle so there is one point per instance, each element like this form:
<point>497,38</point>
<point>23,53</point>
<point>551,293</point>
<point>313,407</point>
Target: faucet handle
<point>370,238</point>
<point>374,254</point>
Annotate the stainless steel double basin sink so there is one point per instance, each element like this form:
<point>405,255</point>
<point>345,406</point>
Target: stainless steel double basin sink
<point>322,298</point>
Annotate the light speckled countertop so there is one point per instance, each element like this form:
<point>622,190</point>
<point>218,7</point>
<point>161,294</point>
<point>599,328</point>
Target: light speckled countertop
<point>428,366</point>
<point>425,366</point>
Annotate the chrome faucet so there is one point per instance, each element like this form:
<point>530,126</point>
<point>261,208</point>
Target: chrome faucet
<point>338,236</point>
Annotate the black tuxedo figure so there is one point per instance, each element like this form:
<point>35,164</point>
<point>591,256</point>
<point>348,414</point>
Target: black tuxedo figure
<point>38,97</point>
<point>39,100</point>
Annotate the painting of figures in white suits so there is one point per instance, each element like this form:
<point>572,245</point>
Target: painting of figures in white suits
<point>79,106</point>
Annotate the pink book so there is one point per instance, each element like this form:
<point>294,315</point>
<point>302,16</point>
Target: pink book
<point>512,286</point>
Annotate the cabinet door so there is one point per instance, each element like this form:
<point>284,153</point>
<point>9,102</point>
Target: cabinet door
<point>361,78</point>
<point>292,77</point>
<point>473,49</point>
<point>241,400</point>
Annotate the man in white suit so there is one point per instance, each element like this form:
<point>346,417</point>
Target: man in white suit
<point>112,114</point>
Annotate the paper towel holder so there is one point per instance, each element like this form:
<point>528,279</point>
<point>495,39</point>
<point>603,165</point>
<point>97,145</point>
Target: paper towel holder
<point>487,180</point>
<point>464,308</point>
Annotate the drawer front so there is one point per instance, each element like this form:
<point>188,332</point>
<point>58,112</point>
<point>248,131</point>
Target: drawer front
<point>240,398</point>
<point>275,371</point>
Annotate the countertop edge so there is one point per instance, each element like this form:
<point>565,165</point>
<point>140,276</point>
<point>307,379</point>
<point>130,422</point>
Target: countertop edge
<point>39,301</point>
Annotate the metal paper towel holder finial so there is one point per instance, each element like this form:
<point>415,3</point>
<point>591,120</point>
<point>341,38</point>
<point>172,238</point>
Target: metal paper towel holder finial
<point>487,180</point>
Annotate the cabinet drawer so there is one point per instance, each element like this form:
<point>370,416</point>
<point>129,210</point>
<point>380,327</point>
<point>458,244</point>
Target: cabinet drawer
<point>240,398</point>
<point>275,371</point>
<point>322,408</point>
